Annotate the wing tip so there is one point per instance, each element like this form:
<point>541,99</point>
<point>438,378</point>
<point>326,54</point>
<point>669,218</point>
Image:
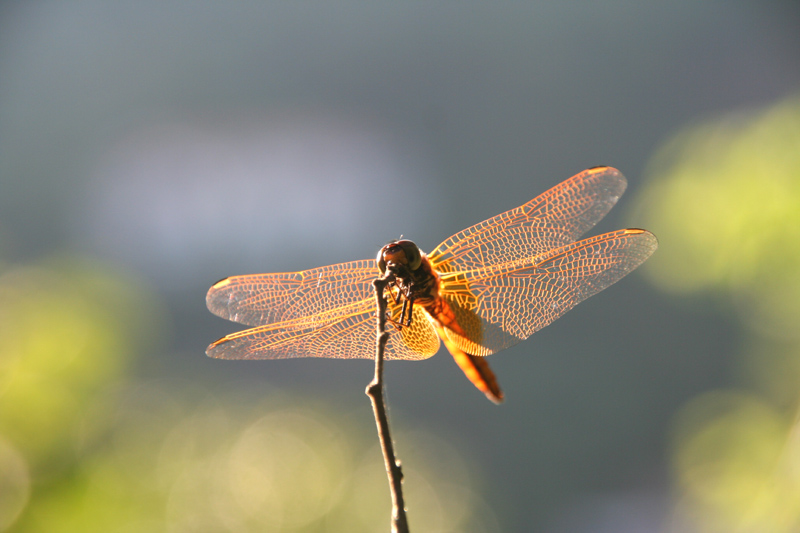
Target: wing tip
<point>213,349</point>
<point>224,282</point>
<point>217,300</point>
<point>602,169</point>
<point>221,283</point>
<point>650,236</point>
<point>616,180</point>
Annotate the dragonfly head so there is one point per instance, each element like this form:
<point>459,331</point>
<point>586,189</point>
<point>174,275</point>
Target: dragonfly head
<point>398,256</point>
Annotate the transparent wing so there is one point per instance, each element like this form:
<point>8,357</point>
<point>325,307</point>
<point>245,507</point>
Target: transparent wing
<point>319,295</point>
<point>555,218</point>
<point>498,306</point>
<point>345,337</point>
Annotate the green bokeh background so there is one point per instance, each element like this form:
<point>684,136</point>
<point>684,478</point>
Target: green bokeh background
<point>148,149</point>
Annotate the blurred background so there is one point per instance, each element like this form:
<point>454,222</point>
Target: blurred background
<point>148,149</point>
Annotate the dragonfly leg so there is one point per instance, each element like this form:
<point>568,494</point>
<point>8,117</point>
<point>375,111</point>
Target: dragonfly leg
<point>405,312</point>
<point>404,320</point>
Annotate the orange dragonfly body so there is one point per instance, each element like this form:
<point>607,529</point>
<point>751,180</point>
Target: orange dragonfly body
<point>484,289</point>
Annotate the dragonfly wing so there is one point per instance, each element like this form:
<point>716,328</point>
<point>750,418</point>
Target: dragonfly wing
<point>499,306</point>
<point>555,218</point>
<point>260,299</point>
<point>343,337</point>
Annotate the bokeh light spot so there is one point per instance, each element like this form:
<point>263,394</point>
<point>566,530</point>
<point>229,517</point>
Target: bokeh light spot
<point>724,200</point>
<point>736,464</point>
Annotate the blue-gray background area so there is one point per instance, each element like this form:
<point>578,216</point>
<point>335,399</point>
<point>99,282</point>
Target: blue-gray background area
<point>183,142</point>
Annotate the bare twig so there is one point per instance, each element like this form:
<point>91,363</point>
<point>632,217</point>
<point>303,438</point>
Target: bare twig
<point>375,393</point>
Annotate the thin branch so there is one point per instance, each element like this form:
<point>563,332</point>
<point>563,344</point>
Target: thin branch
<point>375,393</point>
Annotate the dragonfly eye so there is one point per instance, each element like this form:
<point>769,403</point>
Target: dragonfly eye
<point>380,261</point>
<point>412,254</point>
<point>398,253</point>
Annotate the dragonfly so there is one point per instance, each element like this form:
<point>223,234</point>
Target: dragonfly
<point>480,291</point>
